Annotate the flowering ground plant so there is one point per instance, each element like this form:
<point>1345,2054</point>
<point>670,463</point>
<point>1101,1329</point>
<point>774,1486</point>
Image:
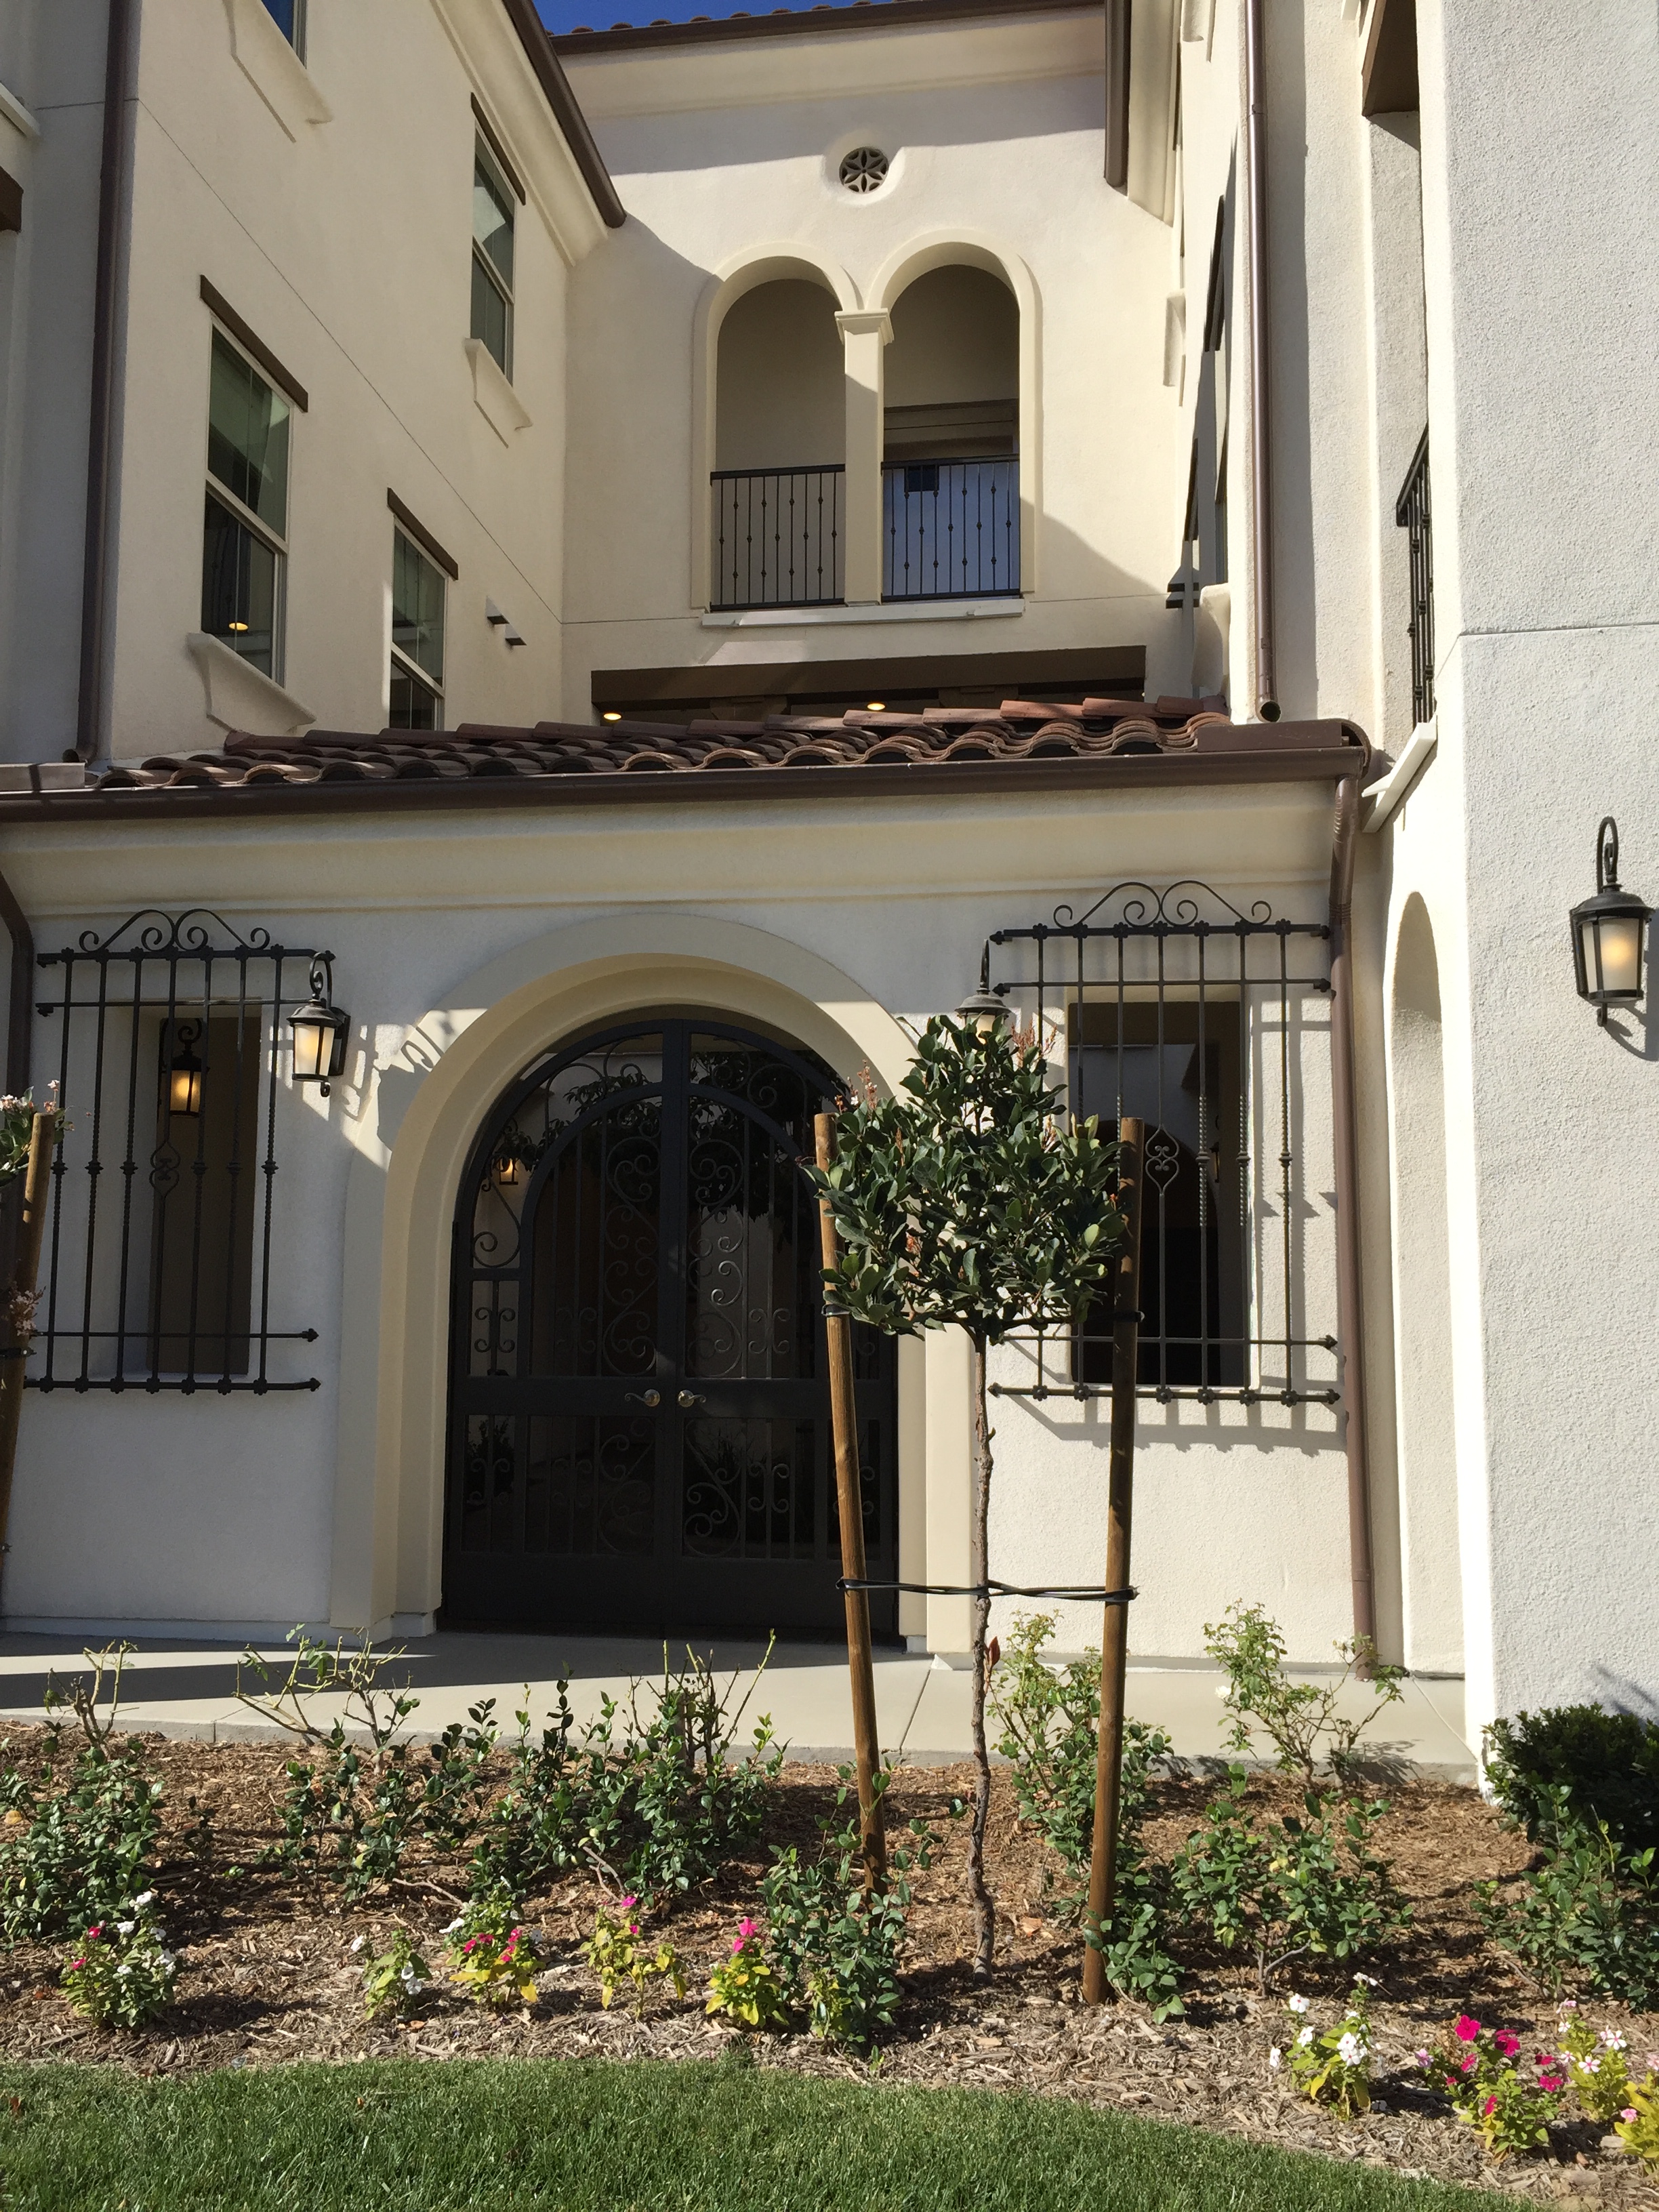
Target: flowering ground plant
<point>615,1953</point>
<point>1637,2126</point>
<point>395,1980</point>
<point>1508,2100</point>
<point>744,1987</point>
<point>123,1973</point>
<point>1332,2066</point>
<point>1596,2061</point>
<point>490,1956</point>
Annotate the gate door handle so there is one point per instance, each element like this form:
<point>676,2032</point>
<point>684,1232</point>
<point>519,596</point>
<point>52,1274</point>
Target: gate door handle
<point>687,1400</point>
<point>643,1397</point>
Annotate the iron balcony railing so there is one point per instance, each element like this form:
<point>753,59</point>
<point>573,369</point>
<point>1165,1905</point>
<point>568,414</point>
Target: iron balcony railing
<point>777,536</point>
<point>1411,514</point>
<point>950,529</point>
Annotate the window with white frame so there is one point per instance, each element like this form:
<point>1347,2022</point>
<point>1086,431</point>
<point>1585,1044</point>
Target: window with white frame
<point>417,638</point>
<point>289,17</point>
<point>245,535</point>
<point>492,258</point>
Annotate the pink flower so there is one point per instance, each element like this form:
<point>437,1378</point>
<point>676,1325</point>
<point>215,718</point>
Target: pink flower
<point>76,1965</point>
<point>1421,2059</point>
<point>1466,2065</point>
<point>1508,2044</point>
<point>1551,2083</point>
<point>470,1942</point>
<point>629,1903</point>
<point>1465,2029</point>
<point>1489,2108</point>
<point>1629,2112</point>
<point>93,1934</point>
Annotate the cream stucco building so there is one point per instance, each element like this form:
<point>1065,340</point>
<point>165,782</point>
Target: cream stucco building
<point>629,565</point>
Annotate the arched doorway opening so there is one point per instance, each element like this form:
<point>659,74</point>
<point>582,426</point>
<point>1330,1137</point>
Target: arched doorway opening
<point>1431,1575</point>
<point>638,1433</point>
<point>779,503</point>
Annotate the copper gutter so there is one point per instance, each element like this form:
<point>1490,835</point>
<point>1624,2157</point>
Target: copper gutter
<point>112,176</point>
<point>1350,1314</point>
<point>1261,463</point>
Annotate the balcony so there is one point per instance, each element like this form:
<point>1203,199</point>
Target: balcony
<point>949,530</point>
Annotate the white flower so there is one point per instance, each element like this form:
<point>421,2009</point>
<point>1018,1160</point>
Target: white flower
<point>1612,2040</point>
<point>357,1943</point>
<point>125,1927</point>
<point>123,1970</point>
<point>1370,1980</point>
<point>139,1903</point>
<point>1305,2037</point>
<point>1273,2058</point>
<point>1590,2065</point>
<point>1351,2050</point>
<point>1296,2004</point>
<point>453,1925</point>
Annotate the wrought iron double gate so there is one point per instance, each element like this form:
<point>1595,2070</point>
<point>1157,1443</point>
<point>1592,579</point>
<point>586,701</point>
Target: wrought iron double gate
<point>638,1425</point>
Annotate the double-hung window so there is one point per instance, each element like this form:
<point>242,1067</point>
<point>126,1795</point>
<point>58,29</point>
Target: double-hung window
<point>417,638</point>
<point>289,17</point>
<point>492,258</point>
<point>245,537</point>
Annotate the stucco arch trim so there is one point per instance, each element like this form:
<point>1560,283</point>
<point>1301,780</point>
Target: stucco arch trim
<point>429,1100</point>
<point>978,250</point>
<point>745,273</point>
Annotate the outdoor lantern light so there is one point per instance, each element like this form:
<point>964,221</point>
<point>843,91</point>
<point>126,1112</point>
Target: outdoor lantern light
<point>185,1073</point>
<point>982,1007</point>
<point>320,1028</point>
<point>1608,932</point>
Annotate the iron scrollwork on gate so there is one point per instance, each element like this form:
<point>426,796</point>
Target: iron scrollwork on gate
<point>1209,1023</point>
<point>159,1252</point>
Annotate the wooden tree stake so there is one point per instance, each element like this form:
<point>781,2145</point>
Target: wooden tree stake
<point>1115,1630</point>
<point>849,1503</point>
<point>16,1321</point>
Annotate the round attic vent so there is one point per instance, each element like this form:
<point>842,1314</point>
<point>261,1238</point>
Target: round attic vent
<point>864,168</point>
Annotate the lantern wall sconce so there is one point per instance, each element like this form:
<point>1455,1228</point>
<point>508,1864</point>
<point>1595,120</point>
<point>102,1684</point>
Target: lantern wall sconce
<point>184,1072</point>
<point>320,1028</point>
<point>983,1008</point>
<point>1609,932</point>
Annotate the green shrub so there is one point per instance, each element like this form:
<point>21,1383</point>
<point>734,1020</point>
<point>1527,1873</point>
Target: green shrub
<point>1587,1915</point>
<point>1050,1722</point>
<point>1606,1763</point>
<point>124,1973</point>
<point>397,1979</point>
<point>1507,2099</point>
<point>1290,1887</point>
<point>1300,1719</point>
<point>835,1946</point>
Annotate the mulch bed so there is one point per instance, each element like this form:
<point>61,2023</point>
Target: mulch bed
<point>267,1977</point>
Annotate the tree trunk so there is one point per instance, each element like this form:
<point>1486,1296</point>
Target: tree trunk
<point>985,1918</point>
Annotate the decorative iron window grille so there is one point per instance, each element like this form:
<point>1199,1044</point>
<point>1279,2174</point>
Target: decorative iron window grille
<point>159,1245</point>
<point>1203,1020</point>
<point>778,537</point>
<point>1411,514</point>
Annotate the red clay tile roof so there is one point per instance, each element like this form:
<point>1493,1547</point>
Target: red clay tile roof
<point>1019,730</point>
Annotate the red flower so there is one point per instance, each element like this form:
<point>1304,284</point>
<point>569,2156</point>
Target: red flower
<point>1551,2082</point>
<point>1489,2108</point>
<point>1465,2029</point>
<point>1508,2044</point>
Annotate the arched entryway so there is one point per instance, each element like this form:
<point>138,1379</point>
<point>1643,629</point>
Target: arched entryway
<point>639,1417</point>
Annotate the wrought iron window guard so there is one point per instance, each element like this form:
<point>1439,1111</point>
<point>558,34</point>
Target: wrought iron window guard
<point>777,536</point>
<point>950,529</point>
<point>169,1037</point>
<point>1180,1008</point>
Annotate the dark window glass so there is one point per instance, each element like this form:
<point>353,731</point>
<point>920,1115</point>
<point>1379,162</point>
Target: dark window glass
<point>491,316</point>
<point>289,17</point>
<point>247,437</point>
<point>417,607</point>
<point>240,579</point>
<point>492,260</point>
<point>414,704</point>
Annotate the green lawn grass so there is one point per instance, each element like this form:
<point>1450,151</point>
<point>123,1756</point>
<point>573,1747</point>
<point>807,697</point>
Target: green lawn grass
<point>566,2137</point>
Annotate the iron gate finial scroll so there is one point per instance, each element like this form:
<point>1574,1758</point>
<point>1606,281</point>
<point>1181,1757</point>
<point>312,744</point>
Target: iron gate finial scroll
<point>168,1059</point>
<point>1180,1008</point>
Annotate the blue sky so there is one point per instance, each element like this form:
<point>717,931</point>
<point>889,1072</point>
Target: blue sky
<point>600,14</point>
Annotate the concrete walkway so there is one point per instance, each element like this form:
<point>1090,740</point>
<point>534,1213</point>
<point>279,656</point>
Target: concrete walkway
<point>189,1689</point>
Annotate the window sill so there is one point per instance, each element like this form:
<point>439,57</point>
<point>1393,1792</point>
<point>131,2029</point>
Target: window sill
<point>883,610</point>
<point>498,403</point>
<point>237,697</point>
<point>273,68</point>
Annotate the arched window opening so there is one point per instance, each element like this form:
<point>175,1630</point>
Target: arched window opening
<point>950,471</point>
<point>780,446</point>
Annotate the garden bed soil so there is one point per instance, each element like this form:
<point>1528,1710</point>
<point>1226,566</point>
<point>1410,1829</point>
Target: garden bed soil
<point>267,1975</point>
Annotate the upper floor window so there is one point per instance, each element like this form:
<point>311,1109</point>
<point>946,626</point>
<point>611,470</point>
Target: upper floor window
<point>492,258</point>
<point>289,17</point>
<point>417,638</point>
<point>244,536</point>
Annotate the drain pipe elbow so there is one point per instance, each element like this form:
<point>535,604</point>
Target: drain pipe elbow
<point>1349,1312</point>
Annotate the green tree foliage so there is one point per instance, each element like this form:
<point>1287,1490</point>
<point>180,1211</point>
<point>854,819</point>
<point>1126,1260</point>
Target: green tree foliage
<point>968,1198</point>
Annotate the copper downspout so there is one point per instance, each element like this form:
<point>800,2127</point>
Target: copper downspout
<point>1261,464</point>
<point>95,584</point>
<point>1350,1316</point>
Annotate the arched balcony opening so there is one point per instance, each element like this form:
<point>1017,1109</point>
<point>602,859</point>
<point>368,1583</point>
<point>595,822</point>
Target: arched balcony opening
<point>951,516</point>
<point>778,483</point>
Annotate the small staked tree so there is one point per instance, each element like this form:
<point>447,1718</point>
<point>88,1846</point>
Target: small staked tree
<point>968,1198</point>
